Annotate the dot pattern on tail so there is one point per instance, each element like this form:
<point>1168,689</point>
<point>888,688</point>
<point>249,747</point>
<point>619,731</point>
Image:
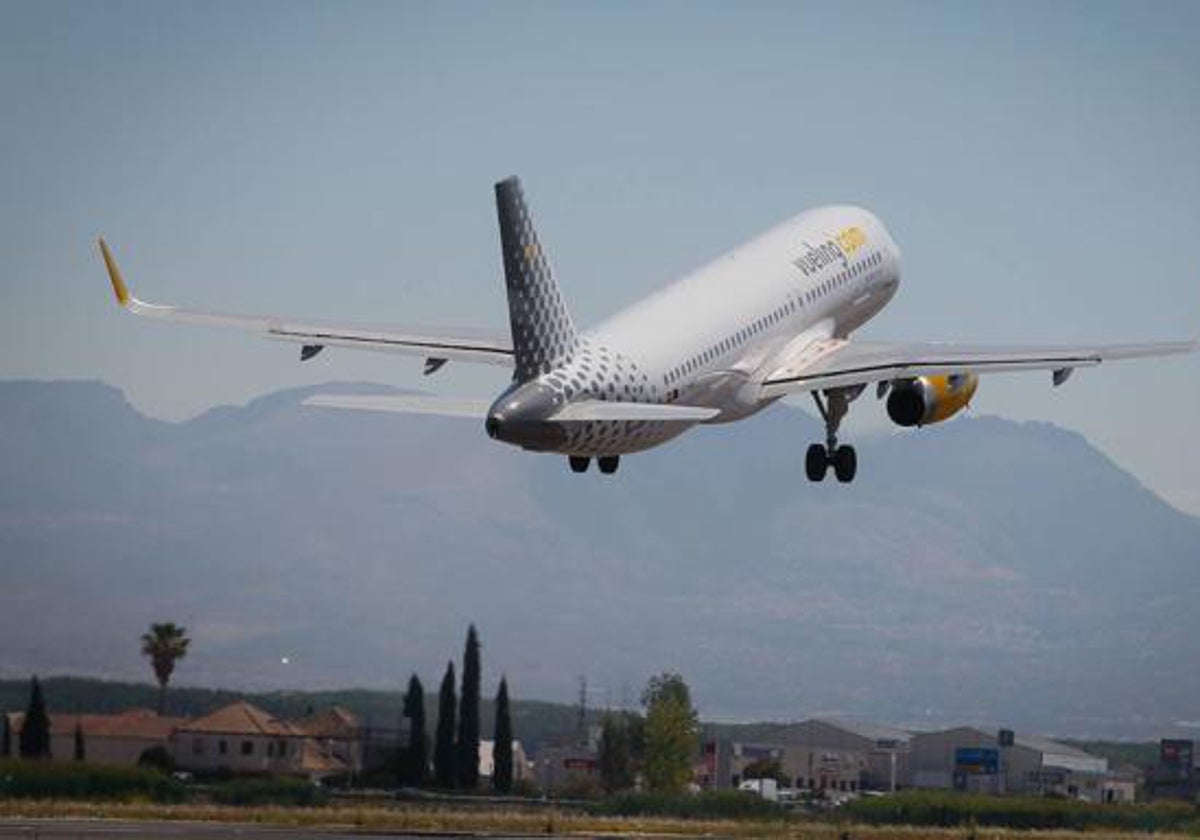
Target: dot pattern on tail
<point>542,330</point>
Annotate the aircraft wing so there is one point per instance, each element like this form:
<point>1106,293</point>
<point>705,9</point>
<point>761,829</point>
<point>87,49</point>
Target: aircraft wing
<point>836,363</point>
<point>432,343</point>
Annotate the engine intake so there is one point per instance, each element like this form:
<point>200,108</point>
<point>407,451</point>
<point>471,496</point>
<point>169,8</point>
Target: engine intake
<point>930,399</point>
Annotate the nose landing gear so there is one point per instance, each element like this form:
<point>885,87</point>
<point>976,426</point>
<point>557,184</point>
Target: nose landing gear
<point>820,458</point>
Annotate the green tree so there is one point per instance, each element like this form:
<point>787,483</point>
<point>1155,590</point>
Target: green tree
<point>468,715</point>
<point>5,737</point>
<point>35,729</point>
<point>443,747</point>
<point>616,755</point>
<point>502,752</point>
<point>672,733</point>
<point>416,758</point>
<point>80,749</point>
<point>164,645</point>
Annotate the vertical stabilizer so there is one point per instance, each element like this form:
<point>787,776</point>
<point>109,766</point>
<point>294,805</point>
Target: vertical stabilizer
<point>542,330</point>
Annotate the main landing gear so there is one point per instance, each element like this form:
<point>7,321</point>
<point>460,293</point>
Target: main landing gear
<point>607,463</point>
<point>820,458</point>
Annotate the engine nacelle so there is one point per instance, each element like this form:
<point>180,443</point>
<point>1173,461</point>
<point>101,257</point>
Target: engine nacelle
<point>930,399</point>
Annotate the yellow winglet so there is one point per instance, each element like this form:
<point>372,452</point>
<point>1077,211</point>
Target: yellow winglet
<point>114,274</point>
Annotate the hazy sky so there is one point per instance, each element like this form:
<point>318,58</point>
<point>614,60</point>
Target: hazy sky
<point>1037,164</point>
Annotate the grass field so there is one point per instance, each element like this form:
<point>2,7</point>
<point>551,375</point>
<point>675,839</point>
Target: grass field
<point>432,820</point>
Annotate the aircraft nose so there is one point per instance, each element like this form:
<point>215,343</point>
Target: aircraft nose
<point>493,425</point>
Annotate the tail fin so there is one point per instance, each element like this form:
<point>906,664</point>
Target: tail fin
<point>542,330</point>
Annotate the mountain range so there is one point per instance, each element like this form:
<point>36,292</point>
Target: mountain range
<point>981,571</point>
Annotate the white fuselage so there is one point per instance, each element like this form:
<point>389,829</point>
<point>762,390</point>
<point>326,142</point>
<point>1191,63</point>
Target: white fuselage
<point>710,338</point>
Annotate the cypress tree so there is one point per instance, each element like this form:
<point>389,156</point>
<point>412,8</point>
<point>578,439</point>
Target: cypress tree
<point>502,752</point>
<point>416,760</point>
<point>5,738</point>
<point>443,748</point>
<point>80,752</point>
<point>468,716</point>
<point>35,730</point>
<point>616,765</point>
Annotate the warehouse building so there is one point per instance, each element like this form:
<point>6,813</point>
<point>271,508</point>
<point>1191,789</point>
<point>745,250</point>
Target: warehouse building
<point>972,759</point>
<point>846,755</point>
<point>734,757</point>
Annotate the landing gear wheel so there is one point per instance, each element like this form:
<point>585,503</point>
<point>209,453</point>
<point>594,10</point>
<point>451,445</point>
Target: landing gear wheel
<point>816,462</point>
<point>845,464</point>
<point>843,459</point>
<point>608,463</point>
<point>579,463</point>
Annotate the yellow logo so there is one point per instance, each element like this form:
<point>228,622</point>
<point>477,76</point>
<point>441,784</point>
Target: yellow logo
<point>850,240</point>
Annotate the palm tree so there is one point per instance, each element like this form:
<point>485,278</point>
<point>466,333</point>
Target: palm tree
<point>164,644</point>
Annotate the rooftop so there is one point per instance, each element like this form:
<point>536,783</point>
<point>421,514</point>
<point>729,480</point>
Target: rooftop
<point>135,723</point>
<point>242,718</point>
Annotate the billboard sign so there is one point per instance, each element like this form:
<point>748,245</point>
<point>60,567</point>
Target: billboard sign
<point>1176,754</point>
<point>976,761</point>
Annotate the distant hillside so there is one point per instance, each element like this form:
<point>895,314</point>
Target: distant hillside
<point>982,571</point>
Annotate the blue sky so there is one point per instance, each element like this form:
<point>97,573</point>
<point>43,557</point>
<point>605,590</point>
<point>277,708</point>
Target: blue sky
<point>1035,161</point>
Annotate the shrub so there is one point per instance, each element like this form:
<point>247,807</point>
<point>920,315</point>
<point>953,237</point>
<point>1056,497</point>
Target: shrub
<point>80,780</point>
<point>157,758</point>
<point>948,809</point>
<point>268,791</point>
<point>712,804</point>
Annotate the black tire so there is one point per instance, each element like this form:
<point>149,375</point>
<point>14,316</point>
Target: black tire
<point>845,464</point>
<point>608,463</point>
<point>579,463</point>
<point>816,462</point>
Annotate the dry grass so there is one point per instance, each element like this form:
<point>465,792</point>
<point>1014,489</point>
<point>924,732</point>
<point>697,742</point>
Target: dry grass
<point>498,821</point>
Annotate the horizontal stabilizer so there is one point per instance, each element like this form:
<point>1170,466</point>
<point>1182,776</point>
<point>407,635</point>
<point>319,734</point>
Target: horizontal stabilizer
<point>601,410</point>
<point>404,404</point>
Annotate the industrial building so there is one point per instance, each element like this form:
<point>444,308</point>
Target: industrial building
<point>1000,761</point>
<point>817,754</point>
<point>841,756</point>
<point>846,755</point>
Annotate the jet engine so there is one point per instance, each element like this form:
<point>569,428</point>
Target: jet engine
<point>930,399</point>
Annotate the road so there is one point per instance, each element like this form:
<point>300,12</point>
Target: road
<point>118,830</point>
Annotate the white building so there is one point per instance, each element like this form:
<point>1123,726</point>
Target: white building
<point>522,769</point>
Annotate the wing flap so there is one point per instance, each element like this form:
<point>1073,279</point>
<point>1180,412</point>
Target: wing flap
<point>431,342</point>
<point>843,363</point>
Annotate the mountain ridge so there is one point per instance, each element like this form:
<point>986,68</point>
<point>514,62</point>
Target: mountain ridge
<point>978,571</point>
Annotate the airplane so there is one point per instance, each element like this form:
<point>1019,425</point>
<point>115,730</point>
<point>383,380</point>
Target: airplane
<point>771,318</point>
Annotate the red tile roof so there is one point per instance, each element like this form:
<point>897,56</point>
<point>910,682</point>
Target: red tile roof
<point>135,723</point>
<point>241,718</point>
<point>331,723</point>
